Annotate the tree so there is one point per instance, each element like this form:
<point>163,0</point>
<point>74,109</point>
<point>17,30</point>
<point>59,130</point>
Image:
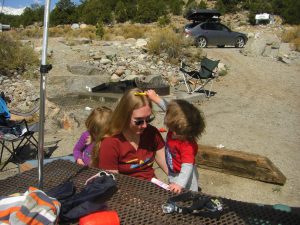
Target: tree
<point>202,5</point>
<point>121,12</point>
<point>95,10</point>
<point>63,13</point>
<point>149,10</point>
<point>176,6</point>
<point>290,12</point>
<point>32,14</point>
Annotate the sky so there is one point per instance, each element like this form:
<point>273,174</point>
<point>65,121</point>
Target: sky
<point>27,3</point>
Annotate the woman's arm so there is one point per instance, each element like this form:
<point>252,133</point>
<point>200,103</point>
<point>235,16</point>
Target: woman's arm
<point>160,159</point>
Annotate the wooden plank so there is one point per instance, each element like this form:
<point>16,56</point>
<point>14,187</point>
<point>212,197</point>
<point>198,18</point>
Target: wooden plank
<point>239,163</point>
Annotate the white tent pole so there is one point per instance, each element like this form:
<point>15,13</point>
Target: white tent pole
<point>44,69</point>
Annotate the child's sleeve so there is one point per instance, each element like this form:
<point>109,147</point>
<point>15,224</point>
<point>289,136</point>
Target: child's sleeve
<point>163,104</point>
<point>185,174</point>
<point>80,146</point>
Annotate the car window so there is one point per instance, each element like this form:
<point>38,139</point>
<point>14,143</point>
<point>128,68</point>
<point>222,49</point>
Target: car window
<point>208,26</point>
<point>191,25</point>
<point>223,28</point>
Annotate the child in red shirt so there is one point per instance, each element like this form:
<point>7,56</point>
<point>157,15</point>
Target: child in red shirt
<point>185,123</point>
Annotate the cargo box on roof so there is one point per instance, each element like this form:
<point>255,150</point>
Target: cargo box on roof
<point>202,14</point>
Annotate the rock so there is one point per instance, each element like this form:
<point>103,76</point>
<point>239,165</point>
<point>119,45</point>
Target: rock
<point>284,60</point>
<point>221,67</point>
<point>114,78</point>
<point>82,69</point>
<point>130,77</point>
<point>275,45</point>
<point>120,71</point>
<point>69,122</point>
<point>83,26</point>
<point>75,26</point>
<point>140,43</point>
<point>105,61</point>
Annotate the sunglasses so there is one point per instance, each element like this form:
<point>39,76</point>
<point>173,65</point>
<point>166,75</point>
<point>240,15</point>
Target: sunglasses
<point>100,174</point>
<point>139,122</point>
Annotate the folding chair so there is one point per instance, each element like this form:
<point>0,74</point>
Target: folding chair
<point>205,75</point>
<point>14,137</point>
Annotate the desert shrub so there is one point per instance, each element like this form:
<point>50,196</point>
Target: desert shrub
<point>296,44</point>
<point>31,32</point>
<point>14,55</point>
<point>126,30</point>
<point>56,32</point>
<point>164,20</point>
<point>166,41</point>
<point>291,34</point>
<point>100,29</point>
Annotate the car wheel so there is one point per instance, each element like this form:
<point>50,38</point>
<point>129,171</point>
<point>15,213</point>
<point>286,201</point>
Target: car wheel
<point>220,46</point>
<point>239,42</point>
<point>201,42</point>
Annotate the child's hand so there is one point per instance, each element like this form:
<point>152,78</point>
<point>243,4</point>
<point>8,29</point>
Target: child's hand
<point>175,188</point>
<point>88,140</point>
<point>80,162</point>
<point>153,96</point>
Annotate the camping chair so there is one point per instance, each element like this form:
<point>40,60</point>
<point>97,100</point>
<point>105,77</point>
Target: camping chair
<point>14,138</point>
<point>201,78</point>
<point>15,135</point>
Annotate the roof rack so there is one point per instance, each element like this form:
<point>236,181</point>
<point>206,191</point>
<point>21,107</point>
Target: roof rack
<point>203,15</point>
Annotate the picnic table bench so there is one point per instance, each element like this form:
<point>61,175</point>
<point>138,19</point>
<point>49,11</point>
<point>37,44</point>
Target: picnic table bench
<point>139,202</point>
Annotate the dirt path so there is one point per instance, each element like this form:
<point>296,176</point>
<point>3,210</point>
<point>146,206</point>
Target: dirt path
<point>256,109</point>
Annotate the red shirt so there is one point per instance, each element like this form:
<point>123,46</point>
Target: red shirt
<point>116,153</point>
<point>178,152</point>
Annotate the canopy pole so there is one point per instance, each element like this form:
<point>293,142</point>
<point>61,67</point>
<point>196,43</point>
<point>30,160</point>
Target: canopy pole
<point>44,69</point>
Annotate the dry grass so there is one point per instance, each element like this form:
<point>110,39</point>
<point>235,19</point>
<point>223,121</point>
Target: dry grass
<point>292,36</point>
<point>14,55</point>
<point>296,44</point>
<point>67,32</point>
<point>165,40</point>
<point>127,31</point>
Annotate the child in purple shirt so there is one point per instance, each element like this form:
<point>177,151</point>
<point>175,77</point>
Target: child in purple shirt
<point>95,124</point>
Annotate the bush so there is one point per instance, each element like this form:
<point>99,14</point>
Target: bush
<point>296,43</point>
<point>164,20</point>
<point>126,30</point>
<point>166,41</point>
<point>291,34</point>
<point>15,56</point>
<point>100,29</point>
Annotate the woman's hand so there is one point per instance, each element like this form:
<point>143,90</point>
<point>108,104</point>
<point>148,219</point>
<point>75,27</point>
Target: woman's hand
<point>80,162</point>
<point>175,188</point>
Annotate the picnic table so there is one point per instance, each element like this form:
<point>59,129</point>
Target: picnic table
<point>139,202</point>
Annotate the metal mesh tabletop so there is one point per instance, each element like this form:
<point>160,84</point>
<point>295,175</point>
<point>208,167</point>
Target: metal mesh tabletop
<point>139,202</point>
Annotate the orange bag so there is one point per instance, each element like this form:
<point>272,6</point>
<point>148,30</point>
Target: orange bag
<point>100,218</point>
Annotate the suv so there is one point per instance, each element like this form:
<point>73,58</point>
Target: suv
<point>207,30</point>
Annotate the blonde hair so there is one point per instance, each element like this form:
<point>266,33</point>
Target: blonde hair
<point>122,114</point>
<point>96,125</point>
<point>185,119</point>
<point>96,121</point>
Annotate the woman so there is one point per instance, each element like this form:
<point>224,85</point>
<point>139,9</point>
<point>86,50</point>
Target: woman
<point>131,144</point>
